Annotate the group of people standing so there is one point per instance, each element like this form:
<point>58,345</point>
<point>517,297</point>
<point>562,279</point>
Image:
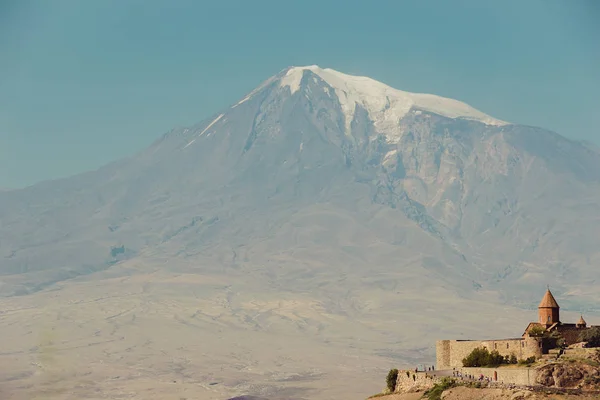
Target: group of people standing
<point>458,374</point>
<point>429,369</point>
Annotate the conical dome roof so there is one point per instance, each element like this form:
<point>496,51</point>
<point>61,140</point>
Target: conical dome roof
<point>548,301</point>
<point>581,321</point>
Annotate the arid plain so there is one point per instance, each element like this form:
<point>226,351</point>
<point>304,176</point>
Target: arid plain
<point>138,332</point>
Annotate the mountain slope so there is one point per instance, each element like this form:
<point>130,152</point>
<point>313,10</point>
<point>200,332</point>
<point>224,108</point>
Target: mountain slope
<point>501,205</point>
<point>326,223</point>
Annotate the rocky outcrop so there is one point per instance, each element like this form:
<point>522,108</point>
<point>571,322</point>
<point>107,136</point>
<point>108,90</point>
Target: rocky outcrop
<point>569,375</point>
<point>464,393</point>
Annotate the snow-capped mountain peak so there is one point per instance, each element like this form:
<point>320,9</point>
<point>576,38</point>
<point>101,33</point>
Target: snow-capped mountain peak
<point>384,104</point>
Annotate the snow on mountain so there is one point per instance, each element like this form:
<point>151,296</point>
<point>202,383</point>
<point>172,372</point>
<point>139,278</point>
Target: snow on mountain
<point>323,219</point>
<point>449,179</point>
<point>385,105</point>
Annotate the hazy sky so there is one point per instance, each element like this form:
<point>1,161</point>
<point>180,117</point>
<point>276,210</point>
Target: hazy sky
<point>85,82</point>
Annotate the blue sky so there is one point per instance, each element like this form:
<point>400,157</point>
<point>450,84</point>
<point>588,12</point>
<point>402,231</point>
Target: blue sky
<point>83,83</point>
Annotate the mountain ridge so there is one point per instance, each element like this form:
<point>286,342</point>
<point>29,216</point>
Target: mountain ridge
<point>420,167</point>
<point>329,248</point>
<point>377,97</point>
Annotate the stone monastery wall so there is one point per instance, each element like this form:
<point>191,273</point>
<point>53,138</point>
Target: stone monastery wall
<point>409,381</point>
<point>450,353</point>
<point>516,376</point>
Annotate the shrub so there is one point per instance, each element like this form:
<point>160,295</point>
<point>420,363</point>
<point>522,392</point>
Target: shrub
<point>592,363</point>
<point>435,393</point>
<point>481,357</point>
<point>591,336</point>
<point>531,359</point>
<point>528,361</point>
<point>512,359</point>
<point>495,359</point>
<point>536,331</point>
<point>391,379</point>
<point>553,340</point>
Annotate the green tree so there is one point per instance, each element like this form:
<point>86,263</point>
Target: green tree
<point>495,359</point>
<point>537,331</point>
<point>391,379</point>
<point>553,340</point>
<point>479,357</point>
<point>591,336</point>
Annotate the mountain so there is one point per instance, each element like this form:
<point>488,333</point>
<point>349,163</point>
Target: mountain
<point>482,200</point>
<point>328,203</point>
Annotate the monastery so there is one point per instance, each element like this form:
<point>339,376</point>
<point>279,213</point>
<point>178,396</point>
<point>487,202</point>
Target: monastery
<point>533,343</point>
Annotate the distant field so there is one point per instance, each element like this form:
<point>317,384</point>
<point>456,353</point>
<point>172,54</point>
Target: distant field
<point>137,332</point>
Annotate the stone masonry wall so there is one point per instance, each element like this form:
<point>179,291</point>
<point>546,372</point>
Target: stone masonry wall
<point>507,375</point>
<point>409,381</point>
<point>450,353</point>
<point>442,354</point>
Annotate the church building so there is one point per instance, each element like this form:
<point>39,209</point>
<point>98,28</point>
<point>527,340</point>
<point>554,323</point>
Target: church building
<point>549,322</point>
<point>538,338</point>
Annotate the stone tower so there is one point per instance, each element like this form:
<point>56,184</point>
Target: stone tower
<point>548,310</point>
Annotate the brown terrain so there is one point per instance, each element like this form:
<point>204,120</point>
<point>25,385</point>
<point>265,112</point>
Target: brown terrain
<point>146,334</point>
<point>139,332</point>
<point>576,374</point>
<point>465,393</point>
